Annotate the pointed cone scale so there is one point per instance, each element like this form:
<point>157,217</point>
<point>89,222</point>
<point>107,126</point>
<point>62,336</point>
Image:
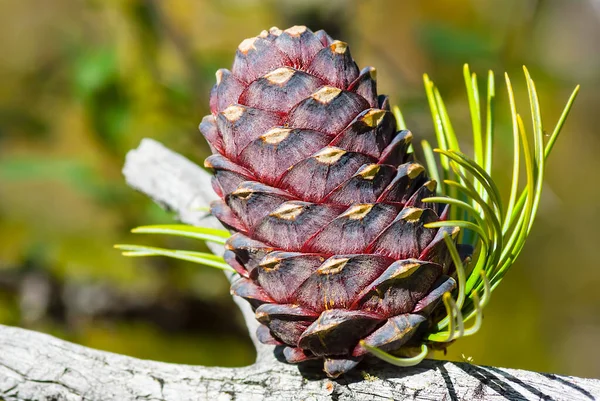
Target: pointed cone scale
<point>226,91</point>
<point>425,191</point>
<point>325,39</point>
<point>383,102</point>
<point>263,334</point>
<point>297,355</point>
<point>397,290</point>
<point>370,133</point>
<point>335,367</point>
<point>393,334</point>
<point>366,85</point>
<point>337,331</point>
<point>208,128</point>
<point>288,226</point>
<point>409,177</point>
<point>313,178</point>
<point>327,110</point>
<point>352,231</point>
<point>279,149</point>
<point>281,273</point>
<point>444,212</point>
<point>268,312</point>
<point>280,90</point>
<point>251,292</point>
<point>299,44</point>
<point>426,305</point>
<point>214,182</point>
<point>226,216</point>
<point>286,322</point>
<point>335,65</point>
<point>228,175</point>
<point>396,152</point>
<point>406,237</point>
<point>437,250</point>
<point>255,57</point>
<point>338,281</point>
<point>232,260</point>
<point>252,201</point>
<point>240,125</point>
<point>366,186</point>
<point>249,252</point>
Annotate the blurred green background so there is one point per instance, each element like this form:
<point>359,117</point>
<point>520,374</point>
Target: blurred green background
<point>82,81</point>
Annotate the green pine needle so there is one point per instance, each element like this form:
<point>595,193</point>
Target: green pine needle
<point>501,233</point>
<point>399,118</point>
<point>203,258</point>
<point>395,360</point>
<point>183,230</point>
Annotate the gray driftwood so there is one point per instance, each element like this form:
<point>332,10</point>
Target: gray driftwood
<point>35,366</point>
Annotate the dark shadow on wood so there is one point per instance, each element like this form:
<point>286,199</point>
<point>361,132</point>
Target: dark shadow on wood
<point>521,383</point>
<point>499,385</point>
<point>570,384</point>
<point>448,381</point>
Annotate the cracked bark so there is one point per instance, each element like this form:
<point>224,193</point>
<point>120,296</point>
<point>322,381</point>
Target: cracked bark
<point>36,366</point>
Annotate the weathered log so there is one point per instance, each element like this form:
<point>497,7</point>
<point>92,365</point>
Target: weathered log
<point>35,366</point>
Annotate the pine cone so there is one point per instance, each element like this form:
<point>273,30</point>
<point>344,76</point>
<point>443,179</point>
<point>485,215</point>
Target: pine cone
<point>325,202</point>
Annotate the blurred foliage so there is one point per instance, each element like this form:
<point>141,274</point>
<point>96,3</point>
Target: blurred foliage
<point>84,80</point>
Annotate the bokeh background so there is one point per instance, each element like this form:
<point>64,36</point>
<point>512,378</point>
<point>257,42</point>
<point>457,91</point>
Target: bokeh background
<point>82,81</point>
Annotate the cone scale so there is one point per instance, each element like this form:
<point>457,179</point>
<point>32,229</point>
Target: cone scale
<point>324,202</point>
